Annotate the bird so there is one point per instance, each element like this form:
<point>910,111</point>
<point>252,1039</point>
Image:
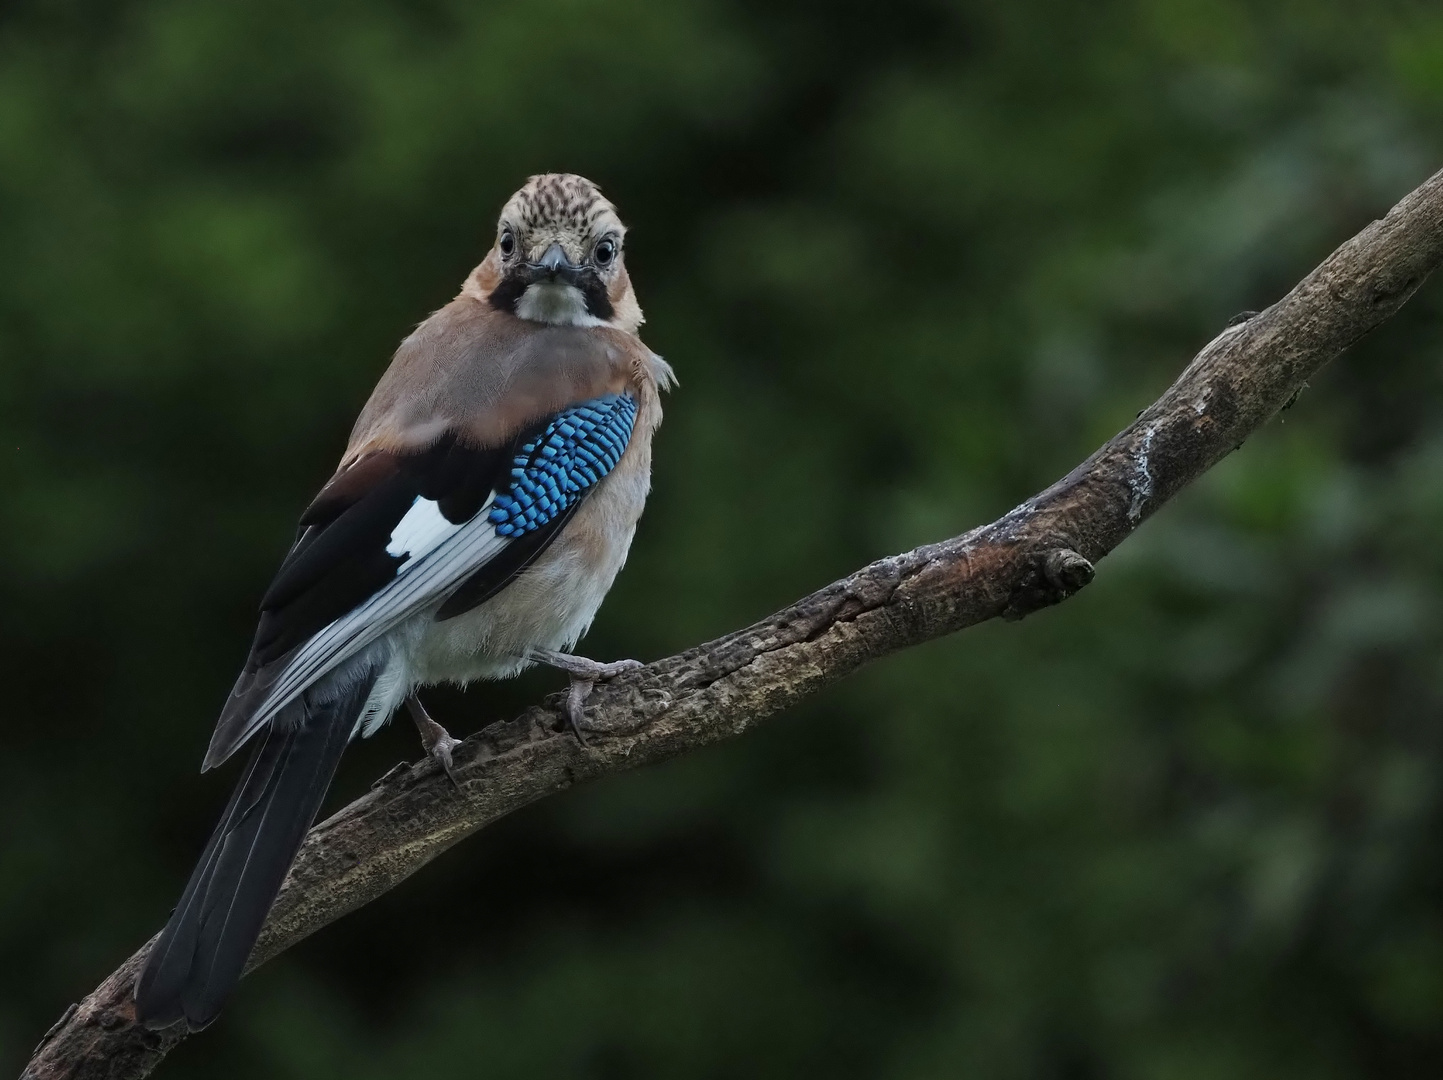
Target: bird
<point>485,502</point>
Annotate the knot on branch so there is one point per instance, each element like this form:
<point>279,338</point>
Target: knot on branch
<point>1067,571</point>
<point>1059,574</point>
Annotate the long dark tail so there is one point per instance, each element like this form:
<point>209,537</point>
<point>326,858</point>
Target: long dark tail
<point>202,951</point>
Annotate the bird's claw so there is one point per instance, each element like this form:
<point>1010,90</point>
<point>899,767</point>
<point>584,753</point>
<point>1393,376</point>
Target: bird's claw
<point>585,674</point>
<point>576,708</point>
<point>435,740</point>
<point>440,752</point>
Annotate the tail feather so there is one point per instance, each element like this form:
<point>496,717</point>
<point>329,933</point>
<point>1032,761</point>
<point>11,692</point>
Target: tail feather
<point>201,953</point>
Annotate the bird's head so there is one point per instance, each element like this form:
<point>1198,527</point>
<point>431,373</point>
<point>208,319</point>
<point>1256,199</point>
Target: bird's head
<point>558,257</point>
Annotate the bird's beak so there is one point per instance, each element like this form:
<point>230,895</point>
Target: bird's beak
<point>554,260</point>
<point>555,266</point>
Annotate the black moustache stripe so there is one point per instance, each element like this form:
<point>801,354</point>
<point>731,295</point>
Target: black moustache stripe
<point>598,304</point>
<point>514,284</point>
<point>508,294</point>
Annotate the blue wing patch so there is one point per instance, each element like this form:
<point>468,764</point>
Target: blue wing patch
<point>551,472</point>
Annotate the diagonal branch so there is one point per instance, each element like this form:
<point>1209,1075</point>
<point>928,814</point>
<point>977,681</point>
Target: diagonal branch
<point>1038,554</point>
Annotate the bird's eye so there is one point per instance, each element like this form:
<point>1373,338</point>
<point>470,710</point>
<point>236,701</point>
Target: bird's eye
<point>507,244</point>
<point>605,252</point>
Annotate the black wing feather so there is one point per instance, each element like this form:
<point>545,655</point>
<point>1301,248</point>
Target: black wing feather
<point>340,558</point>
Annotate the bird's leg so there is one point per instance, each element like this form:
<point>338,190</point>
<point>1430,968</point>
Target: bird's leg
<point>579,667</point>
<point>435,739</point>
<point>584,675</point>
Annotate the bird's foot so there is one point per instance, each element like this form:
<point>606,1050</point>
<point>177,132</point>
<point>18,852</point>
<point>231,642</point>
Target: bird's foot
<point>585,674</point>
<point>435,740</point>
<point>579,667</point>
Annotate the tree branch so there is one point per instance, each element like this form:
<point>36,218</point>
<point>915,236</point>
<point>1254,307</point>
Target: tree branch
<point>1038,554</point>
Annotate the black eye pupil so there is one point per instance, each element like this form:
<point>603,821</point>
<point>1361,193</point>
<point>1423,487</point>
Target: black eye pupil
<point>508,244</point>
<point>604,251</point>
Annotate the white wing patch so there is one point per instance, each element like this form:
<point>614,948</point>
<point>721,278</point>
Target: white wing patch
<point>423,527</point>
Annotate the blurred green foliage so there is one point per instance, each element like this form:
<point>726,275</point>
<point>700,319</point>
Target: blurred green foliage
<point>911,261</point>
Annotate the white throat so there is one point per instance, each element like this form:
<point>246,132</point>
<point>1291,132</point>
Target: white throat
<point>555,303</point>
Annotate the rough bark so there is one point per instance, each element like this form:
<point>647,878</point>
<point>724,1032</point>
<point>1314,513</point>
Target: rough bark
<point>1038,554</point>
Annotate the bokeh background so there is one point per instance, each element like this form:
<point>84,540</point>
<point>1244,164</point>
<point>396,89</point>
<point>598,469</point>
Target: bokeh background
<point>912,261</point>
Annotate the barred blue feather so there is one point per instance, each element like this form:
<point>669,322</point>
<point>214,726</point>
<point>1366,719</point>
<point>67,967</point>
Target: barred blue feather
<point>554,470</point>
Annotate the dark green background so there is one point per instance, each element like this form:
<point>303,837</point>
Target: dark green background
<point>911,261</point>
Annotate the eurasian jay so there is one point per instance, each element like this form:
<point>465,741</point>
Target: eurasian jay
<point>482,509</point>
